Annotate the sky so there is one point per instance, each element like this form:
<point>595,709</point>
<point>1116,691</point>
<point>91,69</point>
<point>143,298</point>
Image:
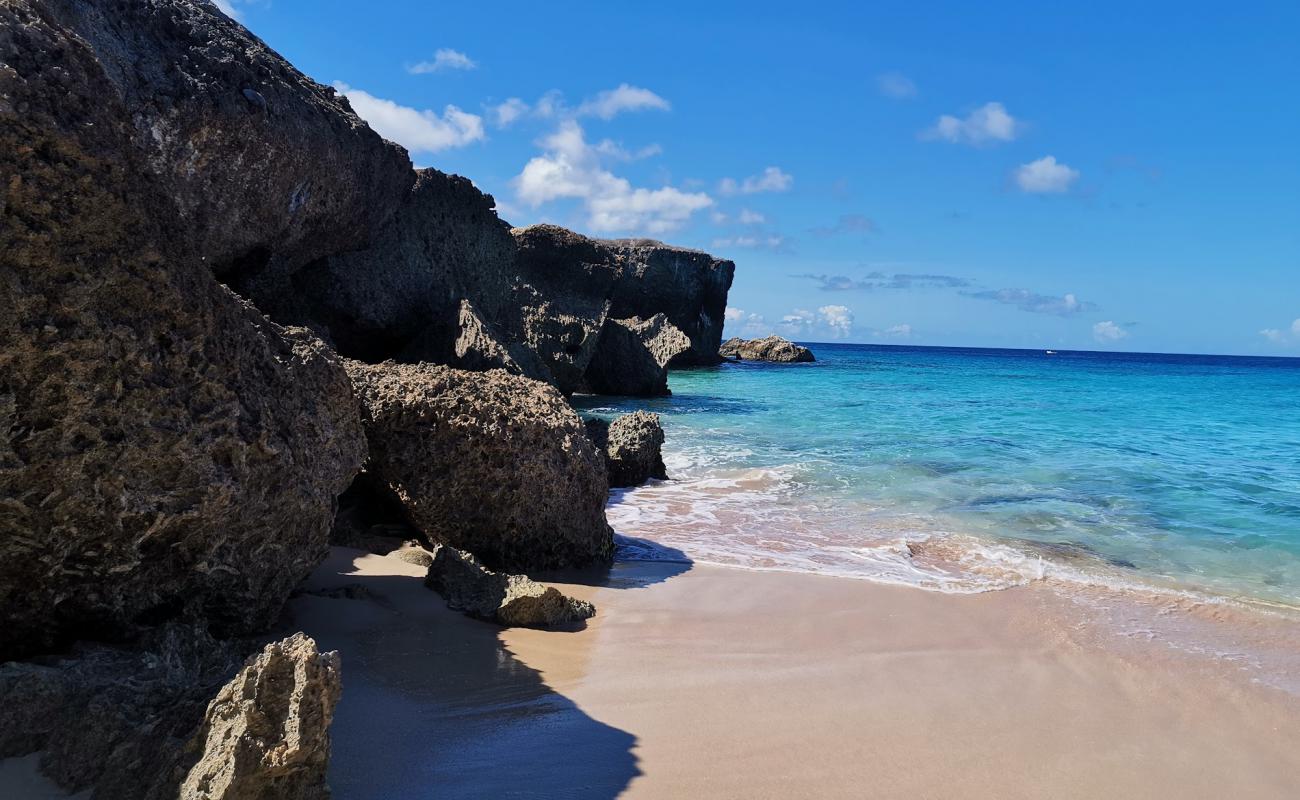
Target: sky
<point>1124,176</point>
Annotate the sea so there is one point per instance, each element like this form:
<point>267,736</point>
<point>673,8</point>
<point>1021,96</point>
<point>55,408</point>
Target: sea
<point>967,470</point>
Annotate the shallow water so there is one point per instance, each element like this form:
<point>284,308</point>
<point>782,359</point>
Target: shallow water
<point>967,470</point>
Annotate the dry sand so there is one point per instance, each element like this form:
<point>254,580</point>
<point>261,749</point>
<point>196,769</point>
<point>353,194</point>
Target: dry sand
<point>711,682</point>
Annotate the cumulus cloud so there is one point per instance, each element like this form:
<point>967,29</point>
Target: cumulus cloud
<point>838,319</point>
<point>1026,300</point>
<point>847,223</point>
<point>1045,175</point>
<point>1108,332</point>
<point>895,85</point>
<point>733,314</point>
<point>988,124</point>
<point>612,102</point>
<point>772,179</point>
<point>798,322</point>
<point>1283,337</point>
<point>880,280</point>
<point>417,130</point>
<point>571,168</point>
<point>750,323</point>
<point>747,217</point>
<point>444,59</point>
<point>507,113</point>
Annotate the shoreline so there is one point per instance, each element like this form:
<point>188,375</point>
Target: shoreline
<point>782,683</point>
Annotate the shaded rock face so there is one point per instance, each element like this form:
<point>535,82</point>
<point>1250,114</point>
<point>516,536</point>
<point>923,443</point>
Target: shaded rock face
<point>156,722</point>
<point>633,448</point>
<point>402,296</point>
<point>268,169</point>
<point>769,348</point>
<point>265,735</point>
<point>490,462</point>
<point>510,600</point>
<point>165,451</point>
<point>633,355</point>
<point>687,286</point>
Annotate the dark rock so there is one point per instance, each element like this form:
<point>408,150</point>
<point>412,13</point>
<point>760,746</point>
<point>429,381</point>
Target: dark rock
<point>769,348</point>
<point>688,286</point>
<point>268,169</point>
<point>167,453</point>
<point>510,600</point>
<point>633,448</point>
<point>487,461</point>
<point>633,355</point>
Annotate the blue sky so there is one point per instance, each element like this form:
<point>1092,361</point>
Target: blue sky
<point>1009,175</point>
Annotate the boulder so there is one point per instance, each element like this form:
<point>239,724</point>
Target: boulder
<point>166,720</point>
<point>510,600</point>
<point>265,735</point>
<point>633,355</point>
<point>769,348</point>
<point>268,169</point>
<point>486,461</point>
<point>166,453</point>
<point>633,448</point>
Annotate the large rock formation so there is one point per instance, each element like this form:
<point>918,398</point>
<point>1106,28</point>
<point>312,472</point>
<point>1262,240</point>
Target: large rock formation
<point>769,348</point>
<point>633,447</point>
<point>156,723</point>
<point>510,600</point>
<point>490,462</point>
<point>633,355</point>
<point>165,452</point>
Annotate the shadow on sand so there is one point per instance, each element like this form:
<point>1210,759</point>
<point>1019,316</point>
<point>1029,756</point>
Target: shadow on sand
<point>434,705</point>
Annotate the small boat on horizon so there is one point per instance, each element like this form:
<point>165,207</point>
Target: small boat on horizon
<point>1050,352</point>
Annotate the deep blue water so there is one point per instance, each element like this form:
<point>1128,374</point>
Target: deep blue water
<point>968,469</point>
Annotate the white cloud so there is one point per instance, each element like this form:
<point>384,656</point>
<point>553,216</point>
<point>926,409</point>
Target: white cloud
<point>772,179</point>
<point>1045,175</point>
<point>616,151</point>
<point>417,130</point>
<point>719,218</point>
<point>733,314</point>
<point>771,242</point>
<point>839,319</point>
<point>748,217</point>
<point>798,322</point>
<point>895,85</point>
<point>903,331</point>
<point>444,59</point>
<point>506,113</point>
<point>612,102</point>
<point>227,7</point>
<point>571,168</point>
<point>1108,332</point>
<point>1283,337</point>
<point>987,124</point>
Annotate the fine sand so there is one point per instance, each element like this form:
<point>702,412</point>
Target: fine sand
<point>698,681</point>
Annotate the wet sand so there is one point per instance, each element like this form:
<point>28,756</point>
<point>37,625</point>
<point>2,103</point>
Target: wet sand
<point>712,682</point>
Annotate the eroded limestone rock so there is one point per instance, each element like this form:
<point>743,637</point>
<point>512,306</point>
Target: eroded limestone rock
<point>769,348</point>
<point>510,600</point>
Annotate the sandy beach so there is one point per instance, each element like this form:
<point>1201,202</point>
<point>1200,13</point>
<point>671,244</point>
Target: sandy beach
<point>706,681</point>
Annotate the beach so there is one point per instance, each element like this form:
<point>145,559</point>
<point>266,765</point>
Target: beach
<point>707,681</point>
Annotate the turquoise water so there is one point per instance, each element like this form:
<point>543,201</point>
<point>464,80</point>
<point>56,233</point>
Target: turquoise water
<point>967,470</point>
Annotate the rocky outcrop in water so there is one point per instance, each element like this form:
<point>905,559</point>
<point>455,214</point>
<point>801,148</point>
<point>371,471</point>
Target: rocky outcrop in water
<point>166,453</point>
<point>510,600</point>
<point>265,735</point>
<point>633,448</point>
<point>769,348</point>
<point>486,461</point>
